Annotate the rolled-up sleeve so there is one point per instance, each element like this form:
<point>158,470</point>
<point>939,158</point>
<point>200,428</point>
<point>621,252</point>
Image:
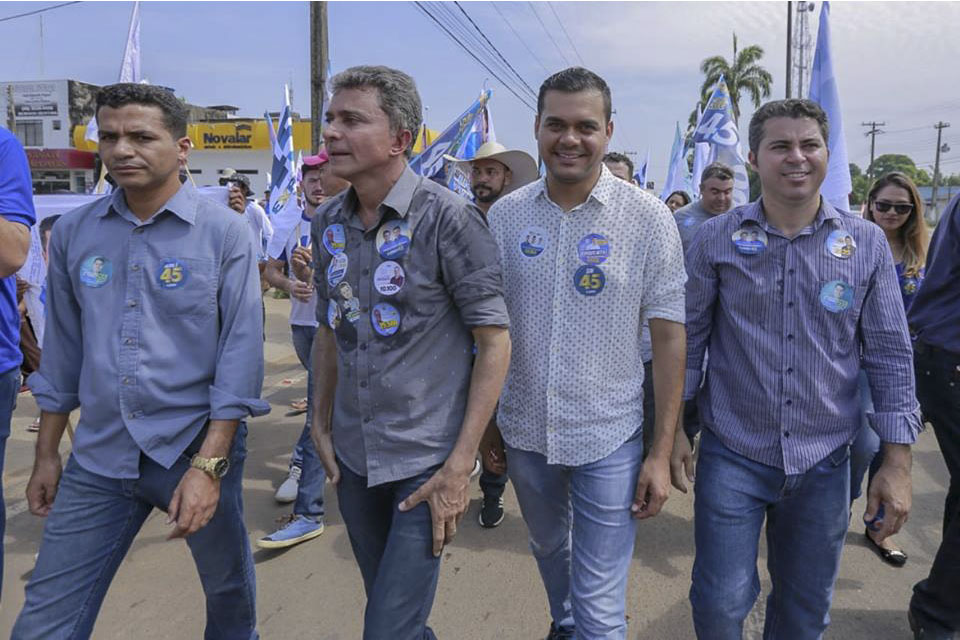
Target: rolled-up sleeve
<point>55,383</point>
<point>664,274</point>
<point>319,269</point>
<point>470,261</point>
<point>701,294</point>
<point>888,354</point>
<point>238,381</point>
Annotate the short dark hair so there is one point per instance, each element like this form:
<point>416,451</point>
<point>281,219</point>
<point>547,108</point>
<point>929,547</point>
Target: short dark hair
<point>616,156</point>
<point>47,223</point>
<point>124,93</point>
<point>574,80</point>
<point>791,108</point>
<point>716,170</point>
<point>396,93</point>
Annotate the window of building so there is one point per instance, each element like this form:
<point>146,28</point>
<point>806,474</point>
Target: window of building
<point>56,125</point>
<point>30,132</point>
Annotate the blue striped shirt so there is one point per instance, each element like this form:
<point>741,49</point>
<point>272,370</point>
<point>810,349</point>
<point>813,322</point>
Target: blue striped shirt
<point>786,322</point>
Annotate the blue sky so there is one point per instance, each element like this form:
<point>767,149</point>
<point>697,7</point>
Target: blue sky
<point>895,62</point>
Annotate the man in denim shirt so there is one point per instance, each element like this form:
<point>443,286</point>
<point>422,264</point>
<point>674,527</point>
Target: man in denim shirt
<point>399,409</point>
<point>154,332</point>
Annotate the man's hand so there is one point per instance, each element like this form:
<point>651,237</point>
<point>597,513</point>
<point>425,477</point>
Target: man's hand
<point>446,494</point>
<point>299,290</point>
<point>492,452</point>
<point>681,461</point>
<point>42,487</point>
<point>237,201</point>
<point>193,504</point>
<point>323,441</point>
<point>893,488</point>
<point>301,261</point>
<point>653,487</point>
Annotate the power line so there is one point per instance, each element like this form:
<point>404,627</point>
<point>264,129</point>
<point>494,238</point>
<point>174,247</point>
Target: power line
<point>547,31</point>
<point>36,11</point>
<point>522,41</point>
<point>569,39</point>
<point>422,8</point>
<point>497,51</point>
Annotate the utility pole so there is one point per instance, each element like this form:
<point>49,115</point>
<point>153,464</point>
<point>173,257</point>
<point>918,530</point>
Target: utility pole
<point>789,46</point>
<point>873,141</point>
<point>940,126</point>
<point>319,55</point>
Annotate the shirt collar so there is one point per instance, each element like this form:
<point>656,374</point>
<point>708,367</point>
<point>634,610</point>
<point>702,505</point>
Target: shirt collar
<point>398,198</point>
<point>183,204</point>
<point>601,191</point>
<point>754,211</point>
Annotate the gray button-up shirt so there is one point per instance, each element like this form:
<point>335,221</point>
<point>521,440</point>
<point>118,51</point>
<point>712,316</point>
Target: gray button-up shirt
<point>688,219</point>
<point>152,328</point>
<point>786,321</point>
<point>402,298</point>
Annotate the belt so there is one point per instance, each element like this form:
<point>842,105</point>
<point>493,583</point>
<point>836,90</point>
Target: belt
<point>924,349</point>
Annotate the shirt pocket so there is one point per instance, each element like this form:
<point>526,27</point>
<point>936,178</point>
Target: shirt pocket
<point>184,287</point>
<point>834,314</point>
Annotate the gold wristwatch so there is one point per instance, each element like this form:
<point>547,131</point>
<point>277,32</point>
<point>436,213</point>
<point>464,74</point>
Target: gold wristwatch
<point>216,468</point>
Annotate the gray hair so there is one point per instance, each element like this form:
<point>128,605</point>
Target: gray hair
<point>716,170</point>
<point>396,91</point>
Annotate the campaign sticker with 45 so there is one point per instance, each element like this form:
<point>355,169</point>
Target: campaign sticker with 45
<point>172,274</point>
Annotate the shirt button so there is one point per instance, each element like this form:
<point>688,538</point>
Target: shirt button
<point>366,272</point>
<point>135,267</point>
<point>786,434</point>
<point>127,380</point>
<point>364,309</point>
<point>789,369</point>
<point>128,341</point>
<point>363,385</point>
<point>790,305</point>
<point>363,346</point>
<point>131,303</point>
<point>138,230</point>
<point>790,337</point>
<point>789,402</point>
<point>790,271</point>
<point>132,415</point>
<point>367,419</point>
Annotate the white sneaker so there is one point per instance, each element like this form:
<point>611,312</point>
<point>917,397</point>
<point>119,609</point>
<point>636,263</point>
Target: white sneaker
<point>287,491</point>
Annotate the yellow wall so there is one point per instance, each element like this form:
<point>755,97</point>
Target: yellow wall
<point>233,135</point>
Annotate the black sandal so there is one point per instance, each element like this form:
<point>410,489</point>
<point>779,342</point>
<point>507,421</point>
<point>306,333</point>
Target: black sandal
<point>893,557</point>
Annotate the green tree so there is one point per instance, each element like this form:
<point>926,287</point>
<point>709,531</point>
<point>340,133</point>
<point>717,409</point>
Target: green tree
<point>893,162</point>
<point>855,170</point>
<point>743,75</point>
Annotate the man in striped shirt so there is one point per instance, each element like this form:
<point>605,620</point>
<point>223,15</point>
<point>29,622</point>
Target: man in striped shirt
<point>789,320</point>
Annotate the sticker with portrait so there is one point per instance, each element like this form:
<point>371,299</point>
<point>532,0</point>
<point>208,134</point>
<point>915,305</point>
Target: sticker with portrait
<point>393,239</point>
<point>836,296</point>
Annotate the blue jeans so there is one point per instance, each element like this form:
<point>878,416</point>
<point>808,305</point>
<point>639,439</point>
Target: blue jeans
<point>581,534</point>
<point>394,551</point>
<point>309,501</point>
<point>92,525</point>
<point>936,600</point>
<point>806,515</point>
<point>865,452</point>
<point>9,388</point>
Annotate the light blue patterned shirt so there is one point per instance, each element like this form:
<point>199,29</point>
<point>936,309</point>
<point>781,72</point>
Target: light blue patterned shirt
<point>152,328</point>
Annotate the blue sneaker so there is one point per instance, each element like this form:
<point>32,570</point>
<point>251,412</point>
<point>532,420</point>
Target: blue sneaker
<point>293,530</point>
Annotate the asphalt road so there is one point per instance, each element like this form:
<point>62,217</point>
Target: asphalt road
<point>489,586</point>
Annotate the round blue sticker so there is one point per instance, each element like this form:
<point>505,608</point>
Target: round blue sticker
<point>334,239</point>
<point>836,296</point>
<point>393,239</point>
<point>337,269</point>
<point>593,248</point>
<point>333,314</point>
<point>96,271</point>
<point>750,240</point>
<point>385,319</point>
<point>841,244</point>
<point>171,274</point>
<point>533,241</point>
<point>589,280</point>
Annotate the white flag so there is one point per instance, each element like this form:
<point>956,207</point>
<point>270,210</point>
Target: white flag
<point>130,67</point>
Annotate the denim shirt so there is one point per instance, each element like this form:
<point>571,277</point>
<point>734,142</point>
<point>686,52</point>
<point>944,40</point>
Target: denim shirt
<point>786,321</point>
<point>153,328</point>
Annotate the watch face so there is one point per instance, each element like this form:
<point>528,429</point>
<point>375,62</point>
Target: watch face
<point>220,467</point>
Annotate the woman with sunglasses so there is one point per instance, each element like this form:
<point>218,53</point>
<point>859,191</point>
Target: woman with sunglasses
<point>895,206</point>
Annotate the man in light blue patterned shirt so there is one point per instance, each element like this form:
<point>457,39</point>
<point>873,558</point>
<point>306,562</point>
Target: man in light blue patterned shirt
<point>587,259</point>
<point>154,332</point>
<point>789,319</point>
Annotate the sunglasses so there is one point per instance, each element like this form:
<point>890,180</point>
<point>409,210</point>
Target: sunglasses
<point>900,208</point>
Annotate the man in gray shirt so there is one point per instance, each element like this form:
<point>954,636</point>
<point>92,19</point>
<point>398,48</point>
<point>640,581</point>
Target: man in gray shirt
<point>399,409</point>
<point>716,197</point>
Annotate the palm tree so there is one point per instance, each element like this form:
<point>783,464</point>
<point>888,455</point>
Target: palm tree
<point>744,76</point>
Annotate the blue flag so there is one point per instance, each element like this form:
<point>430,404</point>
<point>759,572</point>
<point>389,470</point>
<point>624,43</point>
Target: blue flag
<point>837,185</point>
<point>640,177</point>
<point>460,140</point>
<point>678,175</point>
<point>718,129</point>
